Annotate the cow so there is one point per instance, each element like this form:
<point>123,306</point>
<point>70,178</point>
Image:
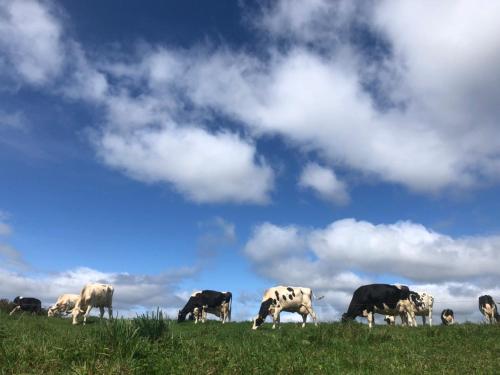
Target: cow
<point>93,295</point>
<point>200,314</point>
<point>208,300</point>
<point>488,308</point>
<point>422,306</point>
<point>64,304</point>
<point>382,299</point>
<point>28,304</point>
<point>285,298</point>
<point>447,317</point>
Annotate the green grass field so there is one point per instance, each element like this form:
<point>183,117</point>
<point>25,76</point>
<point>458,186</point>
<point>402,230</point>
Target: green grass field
<point>39,345</point>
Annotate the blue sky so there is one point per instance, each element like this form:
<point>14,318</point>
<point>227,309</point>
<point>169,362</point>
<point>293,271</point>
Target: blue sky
<point>169,146</point>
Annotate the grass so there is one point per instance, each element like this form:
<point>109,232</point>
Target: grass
<point>150,344</point>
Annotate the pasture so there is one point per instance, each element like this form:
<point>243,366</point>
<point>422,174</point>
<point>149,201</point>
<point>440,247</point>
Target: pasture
<point>153,345</point>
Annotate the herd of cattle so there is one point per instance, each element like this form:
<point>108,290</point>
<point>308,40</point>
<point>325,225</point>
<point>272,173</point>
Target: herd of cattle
<point>389,300</point>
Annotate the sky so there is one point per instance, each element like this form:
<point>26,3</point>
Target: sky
<point>172,146</point>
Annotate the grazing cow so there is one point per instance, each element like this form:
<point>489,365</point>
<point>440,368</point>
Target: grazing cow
<point>447,317</point>
<point>29,304</point>
<point>200,314</point>
<point>489,309</point>
<point>422,306</point>
<point>382,299</point>
<point>285,298</point>
<point>93,295</point>
<point>209,300</point>
<point>64,304</point>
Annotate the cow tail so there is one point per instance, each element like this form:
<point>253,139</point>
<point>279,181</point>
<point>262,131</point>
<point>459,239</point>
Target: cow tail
<point>230,305</point>
<point>316,297</point>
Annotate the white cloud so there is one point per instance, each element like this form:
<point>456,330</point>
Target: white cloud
<point>431,140</point>
<point>13,120</point>
<point>218,234</point>
<point>5,229</point>
<point>331,259</point>
<point>204,166</point>
<point>324,182</point>
<point>30,36</point>
<point>11,257</point>
<point>436,131</point>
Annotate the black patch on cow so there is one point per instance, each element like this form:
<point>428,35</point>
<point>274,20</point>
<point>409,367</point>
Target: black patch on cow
<point>277,295</point>
<point>264,310</point>
<point>284,297</point>
<point>416,299</point>
<point>209,298</point>
<point>290,297</point>
<point>367,297</point>
<point>274,301</point>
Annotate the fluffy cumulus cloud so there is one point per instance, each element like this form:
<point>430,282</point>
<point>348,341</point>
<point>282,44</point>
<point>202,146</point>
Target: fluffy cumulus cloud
<point>203,166</point>
<point>30,38</point>
<point>325,183</point>
<point>413,101</point>
<point>331,259</point>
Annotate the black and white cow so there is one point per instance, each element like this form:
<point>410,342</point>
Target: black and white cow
<point>382,299</point>
<point>29,304</point>
<point>208,300</point>
<point>447,317</point>
<point>489,309</point>
<point>200,314</point>
<point>285,298</point>
<point>422,303</point>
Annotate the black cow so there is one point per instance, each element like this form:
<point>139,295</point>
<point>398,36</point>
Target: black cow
<point>28,304</point>
<point>379,298</point>
<point>447,317</point>
<point>489,309</point>
<point>208,300</point>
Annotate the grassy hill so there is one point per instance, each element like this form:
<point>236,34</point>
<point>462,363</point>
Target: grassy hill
<point>148,345</point>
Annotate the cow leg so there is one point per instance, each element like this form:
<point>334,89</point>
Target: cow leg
<point>17,308</point>
<point>304,320</point>
<point>423,320</point>
<point>87,312</point>
<point>404,318</point>
<point>413,318</point>
<point>204,313</point>
<point>276,318</point>
<point>370,317</point>
<point>110,312</point>
<point>101,312</point>
<point>313,315</point>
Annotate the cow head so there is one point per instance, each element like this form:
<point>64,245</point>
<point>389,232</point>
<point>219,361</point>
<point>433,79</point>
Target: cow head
<point>181,317</point>
<point>17,300</point>
<point>77,311</point>
<point>51,312</point>
<point>265,309</point>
